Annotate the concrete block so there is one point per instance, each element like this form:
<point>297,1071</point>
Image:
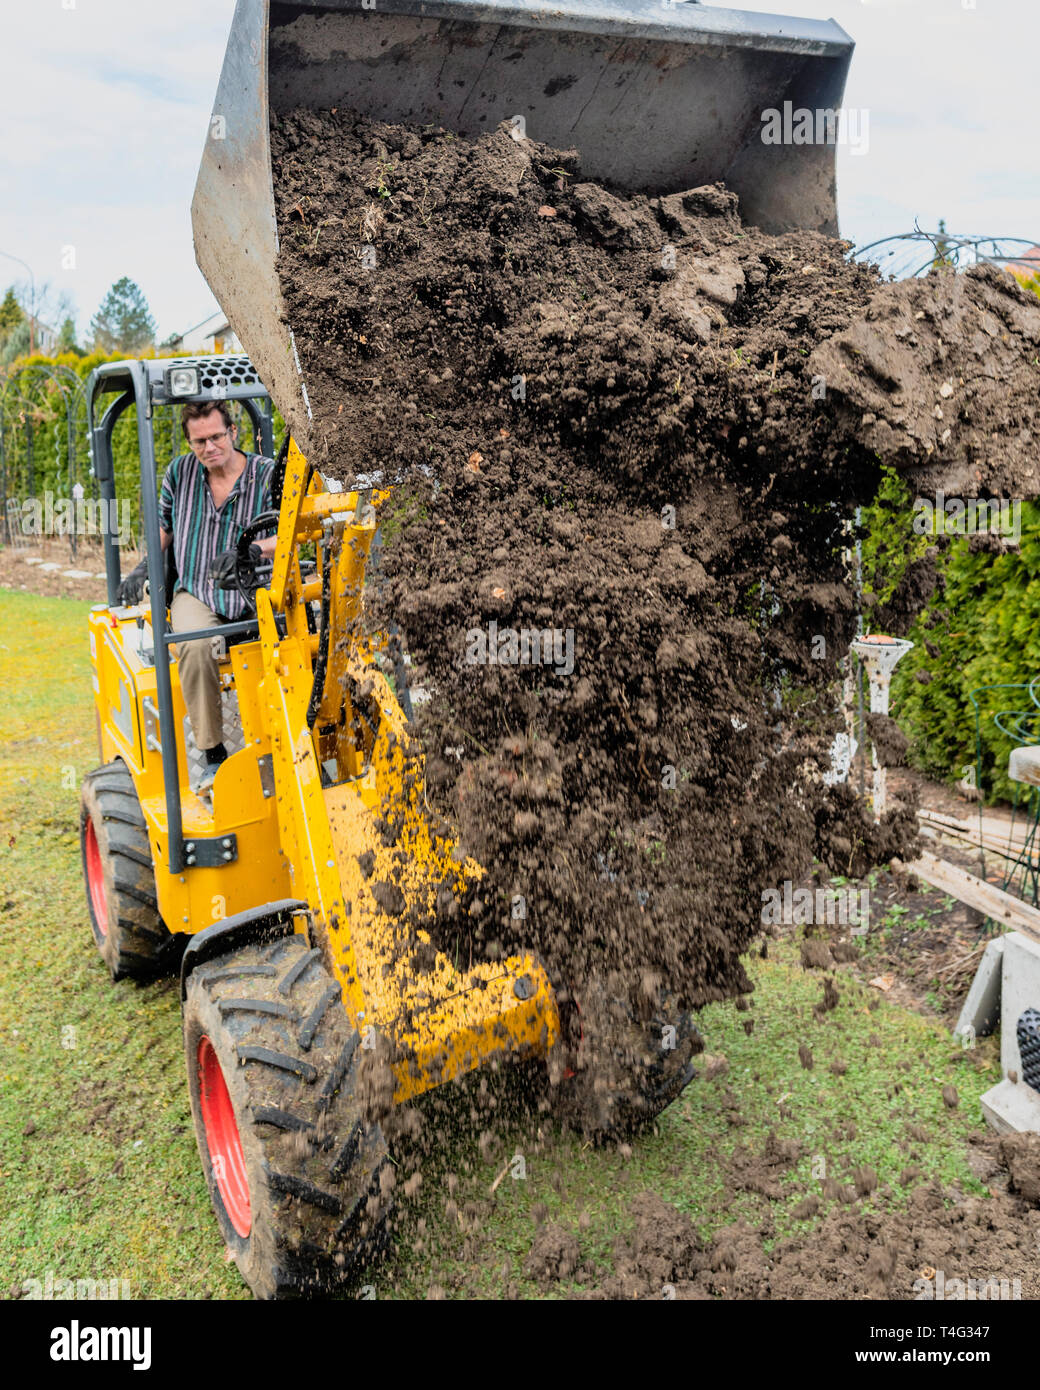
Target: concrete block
<point>1024,764</point>
<point>1011,1107</point>
<point>1020,990</point>
<point>982,1007</point>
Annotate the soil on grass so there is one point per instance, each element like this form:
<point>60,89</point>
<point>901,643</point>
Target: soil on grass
<point>932,1248</point>
<point>624,433</point>
<point>48,568</point>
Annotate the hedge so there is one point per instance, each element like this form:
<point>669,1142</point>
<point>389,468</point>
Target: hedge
<point>981,628</point>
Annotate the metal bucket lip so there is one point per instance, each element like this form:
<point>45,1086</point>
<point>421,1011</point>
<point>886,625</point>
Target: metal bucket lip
<point>682,22</point>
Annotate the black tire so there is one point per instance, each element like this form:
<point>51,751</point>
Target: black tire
<point>119,875</point>
<point>316,1178</point>
<point>633,1080</point>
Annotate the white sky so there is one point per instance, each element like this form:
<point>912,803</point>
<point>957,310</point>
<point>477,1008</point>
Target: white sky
<point>104,108</point>
<point>951,97</point>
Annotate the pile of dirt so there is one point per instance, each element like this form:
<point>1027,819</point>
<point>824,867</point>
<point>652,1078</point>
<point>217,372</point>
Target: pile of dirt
<point>942,1245</point>
<point>938,376</point>
<point>624,442</point>
<point>1021,1154</point>
<point>553,1254</point>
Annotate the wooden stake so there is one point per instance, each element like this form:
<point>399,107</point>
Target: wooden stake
<point>1005,908</point>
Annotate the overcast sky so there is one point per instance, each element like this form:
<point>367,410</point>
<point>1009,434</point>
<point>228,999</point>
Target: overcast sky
<point>104,108</point>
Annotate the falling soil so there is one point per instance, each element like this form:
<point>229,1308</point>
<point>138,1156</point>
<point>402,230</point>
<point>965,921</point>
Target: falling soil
<point>890,743</point>
<point>625,434</point>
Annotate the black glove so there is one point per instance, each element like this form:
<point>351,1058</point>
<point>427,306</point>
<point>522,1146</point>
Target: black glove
<point>222,569</point>
<point>131,590</point>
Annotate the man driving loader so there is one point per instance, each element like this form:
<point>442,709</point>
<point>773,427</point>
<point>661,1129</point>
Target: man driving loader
<point>208,497</point>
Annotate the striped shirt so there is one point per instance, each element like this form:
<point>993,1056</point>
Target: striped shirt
<point>201,530</point>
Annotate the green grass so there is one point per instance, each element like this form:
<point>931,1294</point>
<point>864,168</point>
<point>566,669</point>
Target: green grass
<point>107,1184</point>
<point>99,1175</point>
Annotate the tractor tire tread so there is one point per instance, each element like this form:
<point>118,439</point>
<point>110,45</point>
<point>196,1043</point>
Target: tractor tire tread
<point>258,1006</point>
<point>313,1020</point>
<point>132,890</point>
<point>133,938</point>
<point>296,1065</point>
<point>305,1191</point>
<point>338,1073</point>
<point>142,935</point>
<point>281,1119</point>
<point>292,975</point>
<point>319,1173</point>
<point>238,972</point>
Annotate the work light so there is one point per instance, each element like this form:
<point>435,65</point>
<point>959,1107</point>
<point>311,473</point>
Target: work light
<point>182,381</point>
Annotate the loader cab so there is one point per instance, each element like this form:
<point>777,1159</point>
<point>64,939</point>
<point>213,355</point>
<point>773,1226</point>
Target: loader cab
<point>116,386</point>
<point>140,711</point>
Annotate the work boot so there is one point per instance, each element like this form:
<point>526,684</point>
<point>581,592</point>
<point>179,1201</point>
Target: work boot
<point>214,757</point>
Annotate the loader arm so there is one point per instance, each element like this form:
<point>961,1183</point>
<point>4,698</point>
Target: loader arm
<point>338,740</point>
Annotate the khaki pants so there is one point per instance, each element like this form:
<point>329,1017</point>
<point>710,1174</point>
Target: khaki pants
<point>197,664</point>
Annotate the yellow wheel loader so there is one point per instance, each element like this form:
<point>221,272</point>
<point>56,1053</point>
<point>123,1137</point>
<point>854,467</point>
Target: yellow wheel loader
<point>269,894</point>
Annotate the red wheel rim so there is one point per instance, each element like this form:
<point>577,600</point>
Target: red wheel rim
<point>96,879</point>
<point>222,1139</point>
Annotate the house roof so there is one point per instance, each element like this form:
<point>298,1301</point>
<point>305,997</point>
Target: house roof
<point>1026,265</point>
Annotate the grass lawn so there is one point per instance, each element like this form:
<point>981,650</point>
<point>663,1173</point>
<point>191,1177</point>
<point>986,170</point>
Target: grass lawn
<point>99,1174</point>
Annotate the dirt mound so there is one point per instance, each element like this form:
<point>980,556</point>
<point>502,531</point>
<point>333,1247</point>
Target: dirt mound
<point>663,1252</point>
<point>553,1255</point>
<point>940,374</point>
<point>1021,1154</point>
<point>942,1245</point>
<point>615,549</point>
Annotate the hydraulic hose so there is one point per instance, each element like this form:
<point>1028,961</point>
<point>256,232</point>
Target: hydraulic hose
<point>322,663</point>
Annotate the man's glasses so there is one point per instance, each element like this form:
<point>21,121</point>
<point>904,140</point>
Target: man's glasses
<point>199,444</point>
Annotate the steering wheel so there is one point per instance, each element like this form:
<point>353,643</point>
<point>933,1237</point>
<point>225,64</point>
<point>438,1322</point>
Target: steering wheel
<point>250,577</point>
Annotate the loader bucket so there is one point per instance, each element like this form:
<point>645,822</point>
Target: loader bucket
<point>658,95</point>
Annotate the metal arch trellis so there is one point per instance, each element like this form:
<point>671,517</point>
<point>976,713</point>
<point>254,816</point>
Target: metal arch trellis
<point>957,250</point>
<point>1019,858</point>
<point>10,528</point>
<point>73,392</point>
<point>28,408</point>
